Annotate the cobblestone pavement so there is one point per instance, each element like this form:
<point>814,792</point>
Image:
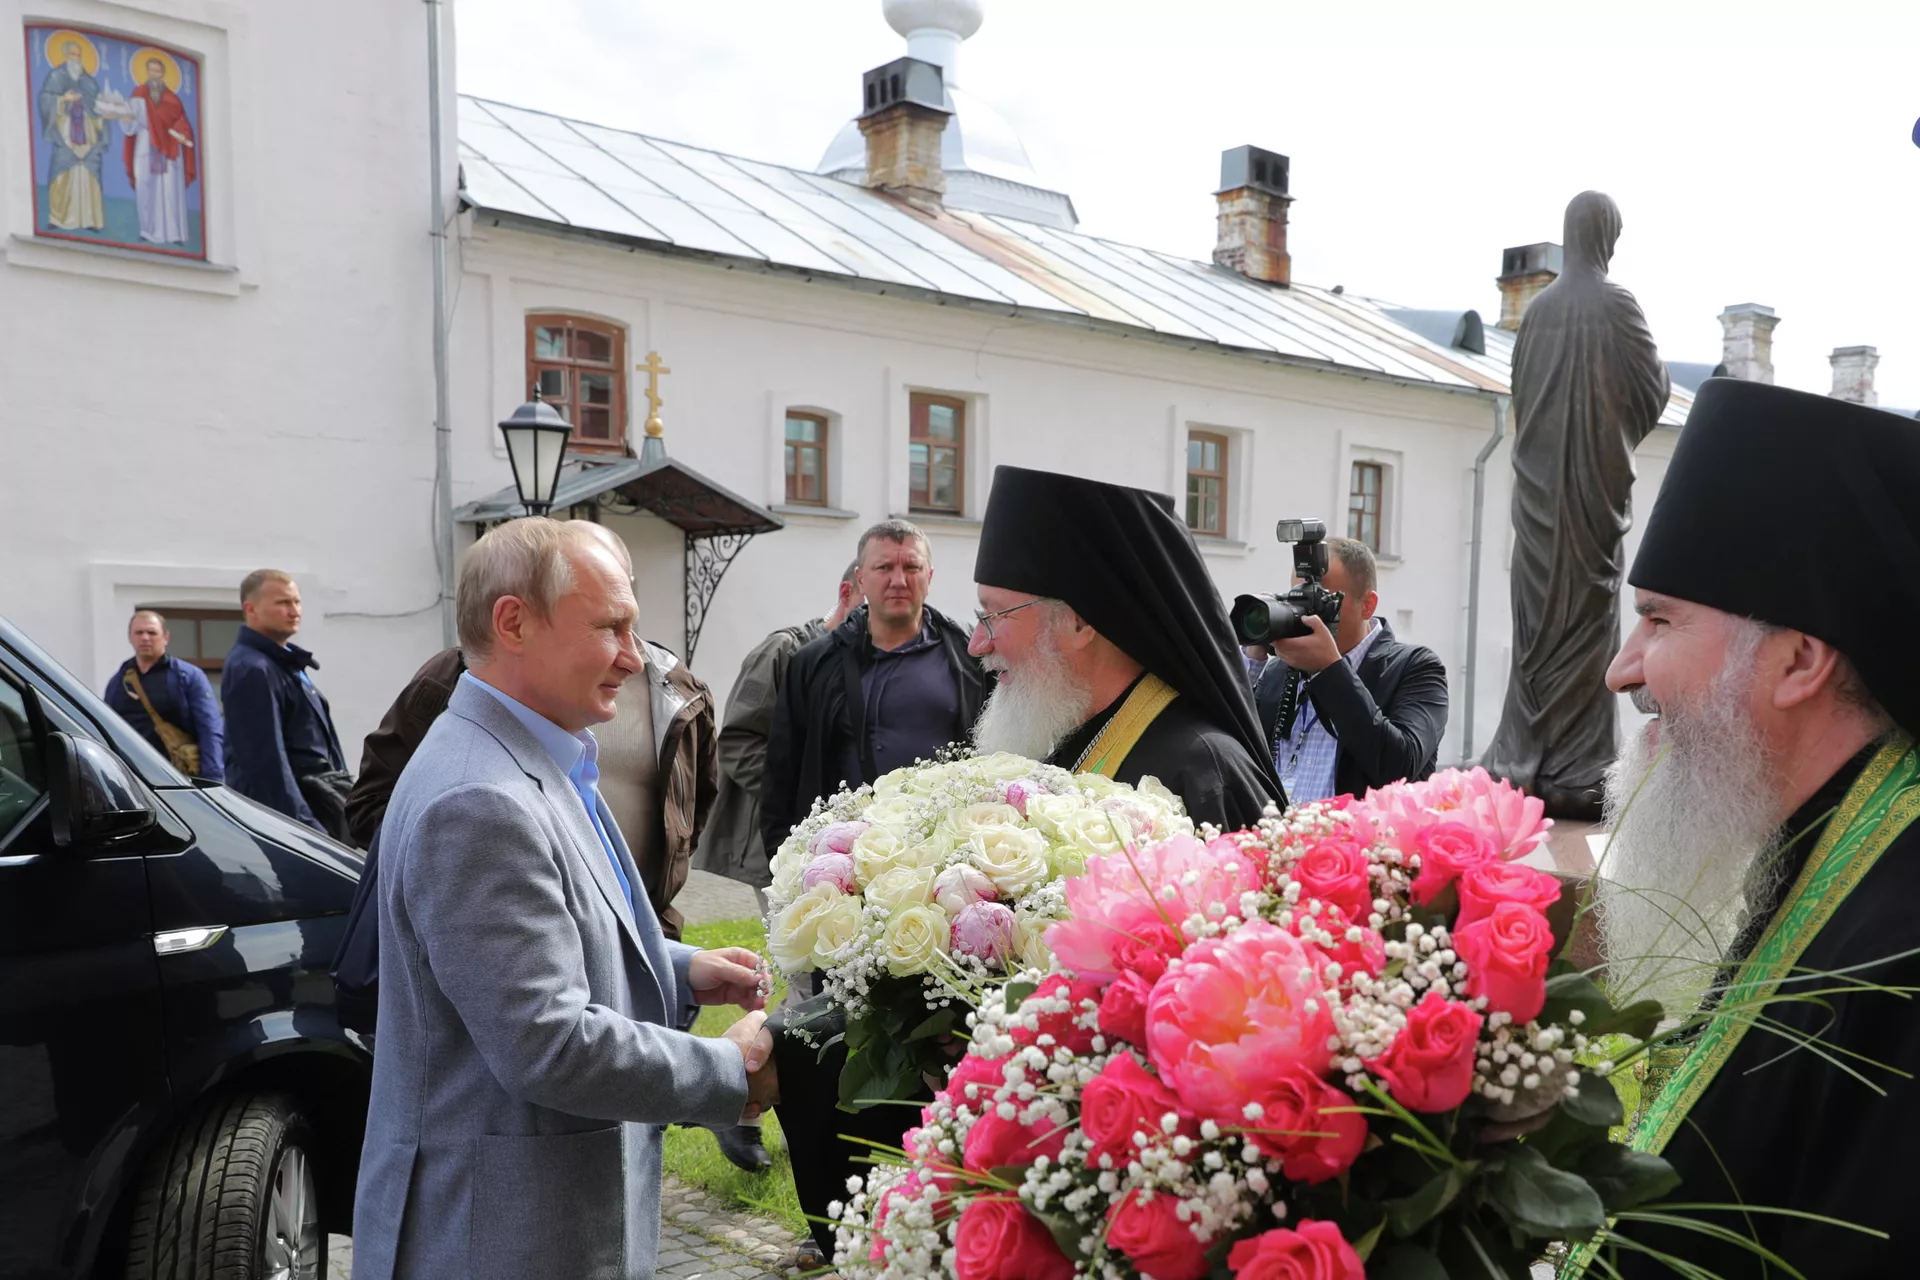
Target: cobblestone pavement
<point>707,898</point>
<point>700,1239</point>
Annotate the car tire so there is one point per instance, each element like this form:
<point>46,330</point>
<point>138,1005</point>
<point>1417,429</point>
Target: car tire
<point>230,1196</point>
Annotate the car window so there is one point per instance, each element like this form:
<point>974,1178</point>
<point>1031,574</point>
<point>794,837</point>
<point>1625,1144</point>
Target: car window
<point>22,775</point>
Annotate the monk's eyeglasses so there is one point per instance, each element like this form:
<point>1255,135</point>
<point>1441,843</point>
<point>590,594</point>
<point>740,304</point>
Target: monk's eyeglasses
<point>985,620</point>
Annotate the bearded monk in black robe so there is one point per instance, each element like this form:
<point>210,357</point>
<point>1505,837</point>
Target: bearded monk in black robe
<point>1777,792</point>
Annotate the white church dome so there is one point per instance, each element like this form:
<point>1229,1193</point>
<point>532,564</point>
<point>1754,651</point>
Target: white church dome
<point>986,165</point>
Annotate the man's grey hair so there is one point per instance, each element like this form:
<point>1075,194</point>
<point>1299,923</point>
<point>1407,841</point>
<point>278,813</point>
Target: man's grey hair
<point>892,531</point>
<point>524,558</point>
<point>1356,557</point>
<point>1849,686</point>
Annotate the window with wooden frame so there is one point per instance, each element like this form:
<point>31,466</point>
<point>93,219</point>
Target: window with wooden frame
<point>1207,483</point>
<point>201,637</point>
<point>1366,492</point>
<point>937,455</point>
<point>806,452</point>
<point>580,367</point>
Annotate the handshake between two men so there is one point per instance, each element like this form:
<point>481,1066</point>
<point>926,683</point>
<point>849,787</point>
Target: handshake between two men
<point>733,975</point>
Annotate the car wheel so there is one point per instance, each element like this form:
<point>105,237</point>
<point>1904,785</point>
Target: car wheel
<point>231,1197</point>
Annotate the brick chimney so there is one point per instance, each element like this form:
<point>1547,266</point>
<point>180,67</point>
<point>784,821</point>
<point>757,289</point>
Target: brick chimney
<point>1252,235</point>
<point>1524,271</point>
<point>1853,374</point>
<point>903,116</point>
<point>1747,348</point>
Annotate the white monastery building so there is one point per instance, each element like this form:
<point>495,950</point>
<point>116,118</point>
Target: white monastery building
<point>826,349</point>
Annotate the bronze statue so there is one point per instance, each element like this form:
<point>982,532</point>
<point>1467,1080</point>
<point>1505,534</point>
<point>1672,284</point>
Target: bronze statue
<point>1588,386</point>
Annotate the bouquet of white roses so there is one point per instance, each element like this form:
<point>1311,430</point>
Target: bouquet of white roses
<point>913,895</point>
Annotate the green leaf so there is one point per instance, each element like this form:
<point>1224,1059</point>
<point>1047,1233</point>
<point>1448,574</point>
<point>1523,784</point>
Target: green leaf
<point>1017,993</point>
<point>1638,1020</point>
<point>1065,1230</point>
<point>882,1071</point>
<point>1410,1213</point>
<point>1405,1262</point>
<point>1570,991</point>
<point>1623,1178</point>
<point>1597,1102</point>
<point>939,1022</point>
<point>1564,1138</point>
<point>1470,1251</point>
<point>1365,1245</point>
<point>1539,1200</point>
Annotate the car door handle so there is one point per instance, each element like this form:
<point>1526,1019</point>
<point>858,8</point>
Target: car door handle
<point>175,941</point>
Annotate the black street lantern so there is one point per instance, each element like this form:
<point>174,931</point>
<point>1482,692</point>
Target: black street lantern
<point>536,446</point>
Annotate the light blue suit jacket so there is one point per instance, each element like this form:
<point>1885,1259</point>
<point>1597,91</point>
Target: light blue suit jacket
<point>526,1062</point>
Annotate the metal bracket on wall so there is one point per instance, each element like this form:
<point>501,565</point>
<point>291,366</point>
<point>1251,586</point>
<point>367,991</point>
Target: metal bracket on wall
<point>707,561</point>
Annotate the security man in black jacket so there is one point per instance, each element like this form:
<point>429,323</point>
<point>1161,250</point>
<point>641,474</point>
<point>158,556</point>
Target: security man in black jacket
<point>890,685</point>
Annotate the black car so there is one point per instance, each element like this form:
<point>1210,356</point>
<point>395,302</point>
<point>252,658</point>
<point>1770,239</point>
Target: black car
<point>177,1096</point>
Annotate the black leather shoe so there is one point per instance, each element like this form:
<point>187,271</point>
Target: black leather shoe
<point>741,1146</point>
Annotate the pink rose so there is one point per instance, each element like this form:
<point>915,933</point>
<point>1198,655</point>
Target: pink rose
<point>1065,1028</point>
<point>1118,918</point>
<point>1507,952</point>
<point>1123,1009</point>
<point>1429,1065</point>
<point>1309,1124</point>
<point>835,869</point>
<point>1125,1099</point>
<point>1154,1239</point>
<point>838,837</point>
<point>974,1080</point>
<point>984,930</point>
<point>1019,791</point>
<point>1446,850</point>
<point>1238,1009</point>
<point>1486,886</point>
<point>1335,871</point>
<point>1310,1250</point>
<point>994,1143</point>
<point>960,886</point>
<point>997,1239</point>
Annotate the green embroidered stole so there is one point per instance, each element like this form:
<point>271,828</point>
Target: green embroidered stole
<point>1877,808</point>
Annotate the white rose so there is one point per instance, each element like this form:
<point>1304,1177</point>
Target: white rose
<point>1152,788</point>
<point>964,820</point>
<point>834,926</point>
<point>960,886</point>
<point>889,785</point>
<point>895,811</point>
<point>927,779</point>
<point>914,938</point>
<point>1048,812</point>
<point>796,929</point>
<point>1090,832</point>
<point>1029,942</point>
<point>875,850</point>
<point>1001,766</point>
<point>900,887</point>
<point>1013,858</point>
<point>931,852</point>
<point>787,867</point>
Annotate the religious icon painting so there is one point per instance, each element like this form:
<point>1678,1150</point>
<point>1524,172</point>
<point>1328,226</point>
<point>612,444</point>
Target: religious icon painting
<point>117,147</point>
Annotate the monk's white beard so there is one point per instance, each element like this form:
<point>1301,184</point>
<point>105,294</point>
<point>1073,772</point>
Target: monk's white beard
<point>1030,714</point>
<point>1695,824</point>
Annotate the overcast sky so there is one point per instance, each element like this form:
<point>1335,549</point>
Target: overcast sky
<point>1760,152</point>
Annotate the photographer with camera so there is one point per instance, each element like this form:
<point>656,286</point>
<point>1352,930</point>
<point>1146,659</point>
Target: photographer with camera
<point>1345,705</point>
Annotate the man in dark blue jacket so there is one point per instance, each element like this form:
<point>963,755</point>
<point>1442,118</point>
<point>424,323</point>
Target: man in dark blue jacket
<point>281,746</point>
<point>151,686</point>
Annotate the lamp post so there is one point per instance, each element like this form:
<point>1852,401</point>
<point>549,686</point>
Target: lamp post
<point>536,438</point>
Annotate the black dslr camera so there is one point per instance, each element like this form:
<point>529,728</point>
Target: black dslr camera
<point>1264,619</point>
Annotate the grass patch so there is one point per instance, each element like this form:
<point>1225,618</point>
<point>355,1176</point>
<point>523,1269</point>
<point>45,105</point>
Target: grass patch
<point>691,1154</point>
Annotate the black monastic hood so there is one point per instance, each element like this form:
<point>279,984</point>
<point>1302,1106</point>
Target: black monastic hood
<point>1121,559</point>
<point>1802,511</point>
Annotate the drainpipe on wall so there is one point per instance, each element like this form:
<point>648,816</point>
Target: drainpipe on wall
<point>1500,407</point>
<point>442,411</point>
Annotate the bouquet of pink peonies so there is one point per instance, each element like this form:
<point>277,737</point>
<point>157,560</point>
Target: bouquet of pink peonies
<point>1336,1045</point>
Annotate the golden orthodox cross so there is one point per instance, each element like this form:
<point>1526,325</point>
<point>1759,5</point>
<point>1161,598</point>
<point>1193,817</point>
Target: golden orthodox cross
<point>653,369</point>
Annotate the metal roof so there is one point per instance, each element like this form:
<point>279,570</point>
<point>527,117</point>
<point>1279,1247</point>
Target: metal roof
<point>607,183</point>
<point>668,488</point>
